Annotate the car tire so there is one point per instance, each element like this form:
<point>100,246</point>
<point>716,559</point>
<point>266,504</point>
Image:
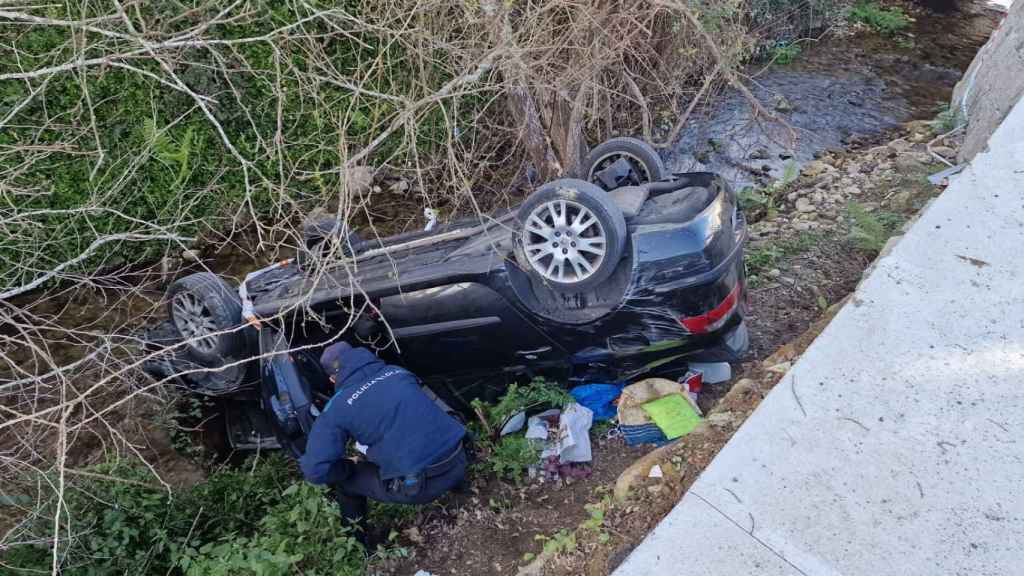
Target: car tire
<point>321,236</point>
<point>203,303</point>
<point>640,154</point>
<point>560,208</point>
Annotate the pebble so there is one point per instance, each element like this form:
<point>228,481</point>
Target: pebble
<point>816,168</point>
<point>804,205</point>
<point>900,145</point>
<point>775,273</point>
<point>190,255</point>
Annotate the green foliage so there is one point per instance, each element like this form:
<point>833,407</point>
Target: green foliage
<point>784,53</point>
<point>299,534</point>
<point>561,542</point>
<point>946,120</point>
<point>508,457</point>
<point>116,138</point>
<point>757,203</point>
<point>886,21</point>
<point>870,231</point>
<point>258,520</point>
<point>764,257</point>
<point>537,393</point>
<point>391,514</point>
<point>511,456</point>
<point>595,518</point>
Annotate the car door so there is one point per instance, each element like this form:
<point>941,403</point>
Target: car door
<point>463,327</point>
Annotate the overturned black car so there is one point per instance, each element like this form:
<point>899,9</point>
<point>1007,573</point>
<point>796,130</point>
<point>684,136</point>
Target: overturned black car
<point>628,272</point>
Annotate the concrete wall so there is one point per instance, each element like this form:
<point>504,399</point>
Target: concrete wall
<point>993,83</point>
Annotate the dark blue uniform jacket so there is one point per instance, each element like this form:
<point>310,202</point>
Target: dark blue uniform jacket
<point>382,407</point>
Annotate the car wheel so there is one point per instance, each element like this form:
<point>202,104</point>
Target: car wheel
<point>320,237</point>
<point>572,235</point>
<point>203,307</point>
<point>644,163</point>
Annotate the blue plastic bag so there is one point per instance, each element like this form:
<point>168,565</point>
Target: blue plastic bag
<point>599,398</point>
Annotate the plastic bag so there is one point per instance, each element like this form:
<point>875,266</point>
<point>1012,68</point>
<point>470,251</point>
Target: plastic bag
<point>598,398</point>
<point>572,444</point>
<point>574,434</point>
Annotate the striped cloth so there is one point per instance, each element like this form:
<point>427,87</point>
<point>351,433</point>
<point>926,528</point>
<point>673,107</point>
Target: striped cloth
<point>636,434</point>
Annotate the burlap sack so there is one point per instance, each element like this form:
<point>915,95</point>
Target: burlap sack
<point>635,395</point>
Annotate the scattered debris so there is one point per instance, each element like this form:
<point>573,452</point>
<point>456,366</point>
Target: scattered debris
<point>973,261</point>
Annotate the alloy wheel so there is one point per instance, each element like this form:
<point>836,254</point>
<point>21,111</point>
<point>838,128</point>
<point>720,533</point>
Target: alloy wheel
<point>194,321</point>
<point>564,241</point>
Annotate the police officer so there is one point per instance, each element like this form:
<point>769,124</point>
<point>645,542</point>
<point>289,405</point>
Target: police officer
<point>414,448</point>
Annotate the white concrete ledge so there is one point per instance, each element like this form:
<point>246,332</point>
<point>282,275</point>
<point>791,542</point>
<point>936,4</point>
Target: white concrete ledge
<point>895,445</point>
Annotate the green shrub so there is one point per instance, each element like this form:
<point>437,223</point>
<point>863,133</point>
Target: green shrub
<point>258,520</point>
<point>511,456</point>
<point>119,139</point>
<point>883,20</point>
<point>538,393</point>
<point>784,53</point>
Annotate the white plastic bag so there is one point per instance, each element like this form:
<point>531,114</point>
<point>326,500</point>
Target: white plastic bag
<point>573,444</point>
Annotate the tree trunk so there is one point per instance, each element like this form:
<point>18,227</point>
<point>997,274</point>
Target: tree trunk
<point>550,129</point>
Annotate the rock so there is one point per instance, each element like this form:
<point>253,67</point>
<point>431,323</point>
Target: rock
<point>919,125</point>
<point>190,255</point>
<point>908,163</point>
<point>815,169</point>
<point>722,419</point>
<point>759,154</point>
<point>804,205</point>
<point>902,200</point>
<point>783,105</point>
<point>358,179</point>
<point>775,273</point>
<point>853,168</point>
<point>413,534</point>
<point>792,196</point>
<point>802,226</point>
<point>900,145</point>
<point>945,151</point>
<point>852,191</point>
<point>400,187</point>
<point>818,197</point>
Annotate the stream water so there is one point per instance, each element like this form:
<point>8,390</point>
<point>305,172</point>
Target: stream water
<point>834,92</point>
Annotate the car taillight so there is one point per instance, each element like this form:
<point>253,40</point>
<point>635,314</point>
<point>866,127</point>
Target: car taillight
<point>716,317</point>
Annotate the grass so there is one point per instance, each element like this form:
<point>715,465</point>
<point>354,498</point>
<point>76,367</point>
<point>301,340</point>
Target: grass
<point>869,231</point>
<point>765,257</point>
<point>887,21</point>
<point>784,53</point>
